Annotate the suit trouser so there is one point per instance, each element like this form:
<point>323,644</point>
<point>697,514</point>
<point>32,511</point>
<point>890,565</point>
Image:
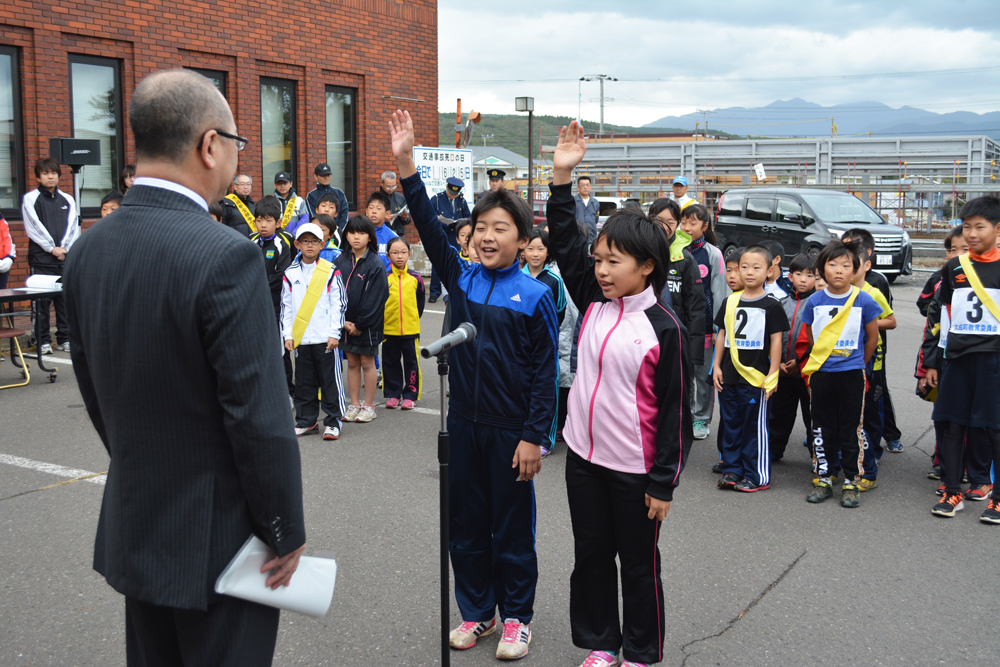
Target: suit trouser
<point>783,405</point>
<point>401,367</point>
<point>42,309</point>
<point>610,518</point>
<point>492,524</point>
<point>743,423</point>
<point>232,633</point>
<point>838,406</point>
<point>703,403</point>
<point>318,368</point>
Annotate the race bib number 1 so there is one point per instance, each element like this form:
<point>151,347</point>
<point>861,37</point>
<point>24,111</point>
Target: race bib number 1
<point>970,316</point>
<point>748,329</point>
<point>849,337</point>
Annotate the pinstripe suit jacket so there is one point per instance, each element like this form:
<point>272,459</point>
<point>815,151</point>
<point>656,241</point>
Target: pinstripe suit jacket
<point>174,349</point>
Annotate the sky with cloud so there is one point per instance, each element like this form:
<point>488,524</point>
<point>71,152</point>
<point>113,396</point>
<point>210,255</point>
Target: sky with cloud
<point>673,58</point>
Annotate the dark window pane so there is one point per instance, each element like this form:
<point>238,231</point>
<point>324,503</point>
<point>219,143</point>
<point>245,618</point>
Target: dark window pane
<point>787,207</point>
<point>277,127</point>
<point>759,209</point>
<point>95,116</point>
<point>340,153</point>
<point>217,78</point>
<point>732,205</point>
<point>9,186</point>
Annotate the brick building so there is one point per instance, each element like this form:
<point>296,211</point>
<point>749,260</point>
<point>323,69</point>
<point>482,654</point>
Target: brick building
<point>309,81</point>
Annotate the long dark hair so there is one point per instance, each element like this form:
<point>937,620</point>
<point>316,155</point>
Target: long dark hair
<point>699,212</point>
<point>129,170</point>
<point>362,224</point>
<point>537,233</point>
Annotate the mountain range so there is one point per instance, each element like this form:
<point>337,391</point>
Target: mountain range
<point>797,117</point>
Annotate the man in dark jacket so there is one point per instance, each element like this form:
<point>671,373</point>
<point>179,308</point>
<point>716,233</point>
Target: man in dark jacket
<point>323,176</point>
<point>397,202</point>
<point>238,207</point>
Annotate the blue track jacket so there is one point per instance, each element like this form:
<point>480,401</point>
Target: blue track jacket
<point>507,377</point>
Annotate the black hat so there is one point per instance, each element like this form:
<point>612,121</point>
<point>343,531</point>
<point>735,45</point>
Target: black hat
<point>322,169</point>
<point>282,176</point>
<point>496,174</point>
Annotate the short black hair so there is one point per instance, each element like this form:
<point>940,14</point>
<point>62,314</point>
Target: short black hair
<point>734,254</point>
<point>215,208</point>
<point>46,164</point>
<point>269,206</point>
<point>584,178</point>
<point>637,236</point>
<point>952,233</point>
<point>330,197</point>
<point>362,224</point>
<point>662,204</point>
<point>115,196</point>
<point>380,197</point>
<point>774,247</point>
<point>987,206</point>
<point>633,205</point>
<point>701,213</point>
<point>508,201</point>
<point>393,241</point>
<point>802,262</point>
<point>862,236</point>
<point>836,249</point>
<point>759,249</point>
<point>543,235</point>
<point>461,224</point>
<point>328,221</point>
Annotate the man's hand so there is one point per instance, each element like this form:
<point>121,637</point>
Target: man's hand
<point>283,567</point>
<point>289,345</point>
<point>932,377</point>
<point>717,378</point>
<point>59,253</point>
<point>401,132</point>
<point>570,150</point>
<point>527,457</point>
<point>657,508</point>
<point>332,343</point>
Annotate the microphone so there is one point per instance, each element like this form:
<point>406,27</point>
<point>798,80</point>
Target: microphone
<point>463,334</point>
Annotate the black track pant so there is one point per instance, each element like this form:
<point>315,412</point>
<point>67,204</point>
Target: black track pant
<point>42,312</point>
<point>609,515</point>
<point>838,405</point>
<point>401,367</point>
<point>983,443</point>
<point>317,368</point>
<point>792,392</point>
<point>890,431</point>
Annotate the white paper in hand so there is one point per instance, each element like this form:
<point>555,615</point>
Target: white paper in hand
<point>310,592</point>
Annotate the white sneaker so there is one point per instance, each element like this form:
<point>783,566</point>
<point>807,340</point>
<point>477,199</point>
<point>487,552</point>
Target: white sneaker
<point>352,413</point>
<point>64,347</point>
<point>465,635</point>
<point>602,659</point>
<point>367,414</point>
<point>291,400</point>
<point>514,642</point>
<point>46,349</point>
<point>331,433</point>
<point>306,430</point>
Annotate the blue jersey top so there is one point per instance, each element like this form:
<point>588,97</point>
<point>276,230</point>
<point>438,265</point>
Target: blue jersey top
<point>383,235</point>
<point>849,353</point>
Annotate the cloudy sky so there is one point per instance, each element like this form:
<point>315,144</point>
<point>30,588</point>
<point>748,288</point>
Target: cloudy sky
<point>673,58</point>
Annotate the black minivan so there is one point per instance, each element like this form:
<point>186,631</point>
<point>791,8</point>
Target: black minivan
<point>804,220</point>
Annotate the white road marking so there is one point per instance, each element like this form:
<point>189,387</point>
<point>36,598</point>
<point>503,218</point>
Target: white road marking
<point>436,312</point>
<point>58,360</point>
<point>52,469</point>
<point>426,411</point>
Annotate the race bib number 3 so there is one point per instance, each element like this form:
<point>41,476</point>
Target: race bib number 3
<point>970,316</point>
<point>849,337</point>
<point>748,329</point>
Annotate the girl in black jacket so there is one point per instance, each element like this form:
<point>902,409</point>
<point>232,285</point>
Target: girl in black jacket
<point>367,289</point>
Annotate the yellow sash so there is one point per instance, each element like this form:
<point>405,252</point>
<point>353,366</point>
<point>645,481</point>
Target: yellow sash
<point>977,285</point>
<point>244,211</point>
<point>823,346</point>
<point>315,290</point>
<point>289,209</point>
<point>751,375</point>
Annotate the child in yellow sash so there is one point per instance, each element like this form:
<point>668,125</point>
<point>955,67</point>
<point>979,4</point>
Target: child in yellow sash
<point>842,326</point>
<point>750,326</point>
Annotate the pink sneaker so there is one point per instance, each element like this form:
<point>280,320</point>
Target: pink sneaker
<point>407,404</point>
<point>514,642</point>
<point>393,403</point>
<point>601,659</point>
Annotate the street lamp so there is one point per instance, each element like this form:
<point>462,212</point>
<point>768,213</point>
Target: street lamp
<point>528,104</point>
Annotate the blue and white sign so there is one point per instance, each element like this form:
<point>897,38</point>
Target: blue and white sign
<point>437,165</point>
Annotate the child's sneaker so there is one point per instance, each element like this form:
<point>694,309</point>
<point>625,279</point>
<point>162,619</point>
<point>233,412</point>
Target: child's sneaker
<point>822,489</point>
<point>894,446</point>
<point>935,473</point>
<point>746,486</point>
<point>465,635</point>
<point>545,451</point>
<point>407,404</point>
<point>331,433</point>
<point>940,490</point>
<point>992,512</point>
<point>867,484</point>
<point>629,663</point>
<point>728,481</point>
<point>701,430</point>
<point>717,468</point>
<point>306,430</point>
<point>514,642</point>
<point>46,349</point>
<point>352,413</point>
<point>392,403</point>
<point>950,503</point>
<point>981,492</point>
<point>850,496</point>
<point>602,659</point>
<point>367,414</point>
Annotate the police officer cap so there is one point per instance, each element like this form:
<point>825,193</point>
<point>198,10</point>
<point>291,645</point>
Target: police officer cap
<point>455,185</point>
<point>496,174</point>
<point>282,176</point>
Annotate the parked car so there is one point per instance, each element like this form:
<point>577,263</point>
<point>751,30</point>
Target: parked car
<point>805,220</point>
<point>609,205</point>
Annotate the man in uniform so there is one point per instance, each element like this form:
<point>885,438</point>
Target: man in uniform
<point>496,177</point>
<point>680,187</point>
<point>238,207</point>
<point>390,186</point>
<point>323,175</point>
<point>293,207</point>
<point>450,206</point>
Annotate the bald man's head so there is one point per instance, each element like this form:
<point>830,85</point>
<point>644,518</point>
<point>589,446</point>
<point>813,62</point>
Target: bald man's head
<point>171,110</point>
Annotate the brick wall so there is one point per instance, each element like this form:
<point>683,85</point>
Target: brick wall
<point>383,48</point>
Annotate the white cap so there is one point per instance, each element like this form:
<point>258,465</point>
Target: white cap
<point>309,228</point>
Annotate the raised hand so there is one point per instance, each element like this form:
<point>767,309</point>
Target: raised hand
<point>570,149</point>
<point>401,132</point>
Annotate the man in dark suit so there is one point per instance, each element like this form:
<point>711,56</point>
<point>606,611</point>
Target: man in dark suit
<point>172,329</point>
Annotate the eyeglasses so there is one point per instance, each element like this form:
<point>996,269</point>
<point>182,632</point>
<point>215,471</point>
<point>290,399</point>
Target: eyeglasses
<point>241,142</point>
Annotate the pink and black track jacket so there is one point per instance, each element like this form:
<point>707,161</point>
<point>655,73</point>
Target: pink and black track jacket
<point>629,408</point>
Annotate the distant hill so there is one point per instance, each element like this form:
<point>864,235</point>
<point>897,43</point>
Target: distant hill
<point>797,118</point>
<point>511,131</point>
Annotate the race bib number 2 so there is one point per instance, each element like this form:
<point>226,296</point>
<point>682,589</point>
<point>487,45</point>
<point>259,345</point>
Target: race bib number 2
<point>970,316</point>
<point>849,337</point>
<point>748,330</point>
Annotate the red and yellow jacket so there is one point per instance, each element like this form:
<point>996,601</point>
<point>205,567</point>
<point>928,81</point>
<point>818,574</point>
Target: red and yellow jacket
<point>405,304</point>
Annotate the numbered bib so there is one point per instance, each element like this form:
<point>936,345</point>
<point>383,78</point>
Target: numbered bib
<point>970,316</point>
<point>851,335</point>
<point>748,329</point>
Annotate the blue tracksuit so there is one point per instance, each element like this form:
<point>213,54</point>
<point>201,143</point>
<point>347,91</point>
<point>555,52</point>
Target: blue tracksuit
<point>503,390</point>
<point>383,235</point>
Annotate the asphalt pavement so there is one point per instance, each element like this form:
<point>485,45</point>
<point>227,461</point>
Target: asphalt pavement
<point>752,579</point>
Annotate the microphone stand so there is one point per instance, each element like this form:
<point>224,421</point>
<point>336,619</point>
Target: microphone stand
<point>444,458</point>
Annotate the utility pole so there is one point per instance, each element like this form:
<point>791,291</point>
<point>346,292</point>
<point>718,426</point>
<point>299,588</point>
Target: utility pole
<point>486,166</point>
<point>602,78</point>
<point>705,113</point>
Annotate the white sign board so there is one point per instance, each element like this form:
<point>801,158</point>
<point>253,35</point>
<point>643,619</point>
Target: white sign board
<point>437,165</point>
<point>759,169</point>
